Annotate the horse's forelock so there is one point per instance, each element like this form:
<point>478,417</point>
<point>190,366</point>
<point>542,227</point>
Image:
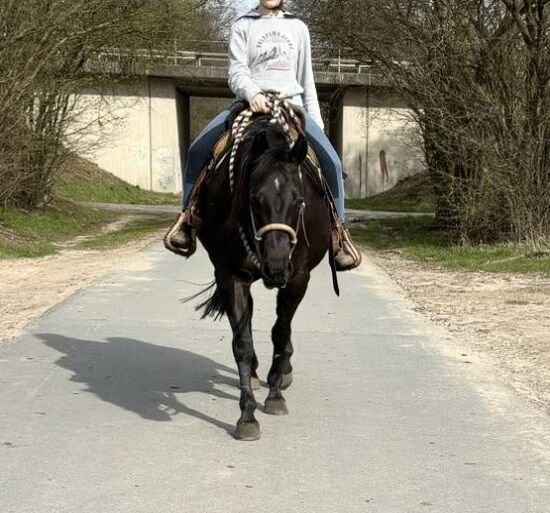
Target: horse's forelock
<point>264,149</point>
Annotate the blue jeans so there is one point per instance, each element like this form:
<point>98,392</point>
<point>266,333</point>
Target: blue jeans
<point>200,152</point>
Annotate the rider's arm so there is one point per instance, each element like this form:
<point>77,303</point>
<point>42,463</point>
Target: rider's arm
<point>240,79</point>
<point>307,80</point>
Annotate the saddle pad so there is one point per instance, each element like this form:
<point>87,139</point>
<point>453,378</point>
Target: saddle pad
<point>223,145</point>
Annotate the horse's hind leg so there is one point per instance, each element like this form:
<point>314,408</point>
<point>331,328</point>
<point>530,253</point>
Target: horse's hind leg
<point>239,306</point>
<point>280,375</point>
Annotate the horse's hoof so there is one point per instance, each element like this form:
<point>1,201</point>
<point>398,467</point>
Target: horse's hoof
<point>247,431</point>
<point>287,380</point>
<point>255,383</point>
<point>275,407</point>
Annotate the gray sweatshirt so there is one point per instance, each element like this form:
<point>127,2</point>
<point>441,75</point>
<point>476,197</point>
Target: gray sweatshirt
<point>273,54</point>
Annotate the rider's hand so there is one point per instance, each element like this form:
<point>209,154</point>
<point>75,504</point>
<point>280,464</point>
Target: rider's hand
<point>259,103</point>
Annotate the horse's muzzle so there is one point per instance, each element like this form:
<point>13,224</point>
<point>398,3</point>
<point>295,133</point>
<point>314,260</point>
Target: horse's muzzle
<point>276,272</point>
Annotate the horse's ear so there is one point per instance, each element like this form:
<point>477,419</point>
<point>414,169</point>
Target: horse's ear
<point>298,154</point>
<point>260,143</point>
<point>267,139</point>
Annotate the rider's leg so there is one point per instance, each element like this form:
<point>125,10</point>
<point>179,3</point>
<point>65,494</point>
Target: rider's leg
<point>348,256</point>
<point>180,238</point>
<point>200,151</point>
<point>330,163</point>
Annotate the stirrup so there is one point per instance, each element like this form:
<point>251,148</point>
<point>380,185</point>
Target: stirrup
<point>346,255</point>
<point>181,238</point>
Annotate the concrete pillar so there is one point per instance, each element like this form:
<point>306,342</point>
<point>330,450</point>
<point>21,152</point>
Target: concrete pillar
<point>133,131</point>
<point>183,103</point>
<point>165,166</point>
<point>377,140</point>
<point>394,150</point>
<point>353,141</point>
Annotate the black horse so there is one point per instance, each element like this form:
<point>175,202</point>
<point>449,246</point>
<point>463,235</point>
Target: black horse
<point>272,224</point>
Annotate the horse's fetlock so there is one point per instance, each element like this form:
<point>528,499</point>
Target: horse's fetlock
<point>248,403</point>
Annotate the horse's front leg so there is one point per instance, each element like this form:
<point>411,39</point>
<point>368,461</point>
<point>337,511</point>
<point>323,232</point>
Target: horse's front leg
<point>280,374</point>
<point>238,303</point>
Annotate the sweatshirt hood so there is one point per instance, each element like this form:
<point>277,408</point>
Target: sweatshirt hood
<point>253,13</point>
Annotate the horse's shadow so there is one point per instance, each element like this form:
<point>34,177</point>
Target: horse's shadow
<point>143,378</point>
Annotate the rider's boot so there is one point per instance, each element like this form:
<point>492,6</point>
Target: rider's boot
<point>181,238</point>
<point>346,255</point>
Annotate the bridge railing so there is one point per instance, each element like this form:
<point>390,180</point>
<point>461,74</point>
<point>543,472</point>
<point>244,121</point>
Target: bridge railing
<point>215,53</point>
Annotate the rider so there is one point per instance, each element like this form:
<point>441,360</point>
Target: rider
<point>269,50</point>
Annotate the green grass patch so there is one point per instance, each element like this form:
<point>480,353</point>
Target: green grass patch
<point>415,238</point>
<point>10,249</point>
<point>39,232</point>
<point>413,194</point>
<point>81,180</point>
<point>135,230</point>
<point>44,231</point>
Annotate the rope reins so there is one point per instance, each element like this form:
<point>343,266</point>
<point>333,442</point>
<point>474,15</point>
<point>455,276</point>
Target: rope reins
<point>280,110</point>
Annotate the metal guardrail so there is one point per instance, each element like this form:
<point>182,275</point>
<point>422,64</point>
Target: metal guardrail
<point>220,59</point>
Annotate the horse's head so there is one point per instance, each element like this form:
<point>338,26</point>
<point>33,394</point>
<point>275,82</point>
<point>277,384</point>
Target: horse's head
<point>276,202</point>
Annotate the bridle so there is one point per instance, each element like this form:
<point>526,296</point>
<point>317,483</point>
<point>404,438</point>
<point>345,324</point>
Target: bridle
<point>279,109</point>
<point>279,227</point>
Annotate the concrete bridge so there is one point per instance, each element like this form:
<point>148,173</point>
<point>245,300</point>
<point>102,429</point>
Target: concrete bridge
<point>143,125</point>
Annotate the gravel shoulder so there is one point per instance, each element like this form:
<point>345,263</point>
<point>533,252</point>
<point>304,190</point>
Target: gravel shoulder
<point>502,319</point>
<point>31,286</point>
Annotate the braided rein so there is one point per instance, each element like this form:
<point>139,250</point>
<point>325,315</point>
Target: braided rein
<point>279,108</point>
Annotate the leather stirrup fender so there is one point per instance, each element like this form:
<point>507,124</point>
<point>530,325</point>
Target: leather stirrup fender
<point>191,218</point>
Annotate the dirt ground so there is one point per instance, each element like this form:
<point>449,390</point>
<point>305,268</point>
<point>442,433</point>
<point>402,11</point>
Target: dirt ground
<point>30,286</point>
<point>504,319</point>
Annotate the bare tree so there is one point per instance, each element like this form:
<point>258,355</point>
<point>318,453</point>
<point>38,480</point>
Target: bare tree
<point>475,73</point>
<point>45,51</point>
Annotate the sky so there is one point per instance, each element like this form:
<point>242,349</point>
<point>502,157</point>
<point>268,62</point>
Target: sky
<point>245,4</point>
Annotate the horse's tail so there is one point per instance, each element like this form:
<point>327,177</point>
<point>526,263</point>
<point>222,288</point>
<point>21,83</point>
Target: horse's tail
<point>214,306</point>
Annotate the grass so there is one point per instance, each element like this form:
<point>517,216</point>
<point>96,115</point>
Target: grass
<point>415,238</point>
<point>413,194</point>
<point>135,230</point>
<point>40,232</point>
<point>83,181</point>
<point>43,231</point>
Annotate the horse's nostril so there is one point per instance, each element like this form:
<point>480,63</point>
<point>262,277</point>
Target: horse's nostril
<point>273,271</point>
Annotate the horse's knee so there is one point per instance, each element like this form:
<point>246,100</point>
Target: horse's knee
<point>243,353</point>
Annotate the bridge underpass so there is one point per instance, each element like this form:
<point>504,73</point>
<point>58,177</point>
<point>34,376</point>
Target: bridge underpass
<point>144,127</point>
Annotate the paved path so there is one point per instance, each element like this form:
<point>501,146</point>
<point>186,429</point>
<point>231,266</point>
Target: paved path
<point>120,401</point>
<point>352,215</point>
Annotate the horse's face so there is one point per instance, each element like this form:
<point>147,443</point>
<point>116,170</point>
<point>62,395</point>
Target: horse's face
<point>276,210</point>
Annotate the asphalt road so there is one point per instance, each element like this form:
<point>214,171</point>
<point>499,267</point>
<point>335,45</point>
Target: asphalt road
<point>120,400</point>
